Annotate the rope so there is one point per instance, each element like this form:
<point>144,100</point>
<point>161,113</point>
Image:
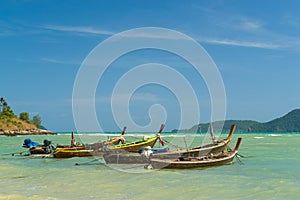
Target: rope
<point>87,163</point>
<point>171,144</point>
<point>238,159</point>
<point>16,153</point>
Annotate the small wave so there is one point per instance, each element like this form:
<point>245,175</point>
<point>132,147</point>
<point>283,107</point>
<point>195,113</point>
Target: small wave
<point>275,135</point>
<point>258,137</point>
<point>91,134</point>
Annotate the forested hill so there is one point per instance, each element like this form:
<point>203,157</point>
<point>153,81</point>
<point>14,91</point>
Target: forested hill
<point>11,125</point>
<point>287,123</point>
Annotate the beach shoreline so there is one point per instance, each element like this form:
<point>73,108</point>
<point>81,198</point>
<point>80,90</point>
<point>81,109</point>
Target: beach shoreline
<point>26,132</point>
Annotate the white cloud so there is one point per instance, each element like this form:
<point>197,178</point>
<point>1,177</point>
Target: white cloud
<point>78,29</point>
<point>239,24</point>
<point>65,62</point>
<point>154,34</point>
<point>139,33</point>
<point>242,43</point>
<point>251,26</point>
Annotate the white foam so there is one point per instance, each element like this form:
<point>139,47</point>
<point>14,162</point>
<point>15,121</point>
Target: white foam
<point>258,137</point>
<point>275,135</point>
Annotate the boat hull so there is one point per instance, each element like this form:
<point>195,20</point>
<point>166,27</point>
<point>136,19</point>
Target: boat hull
<point>72,153</point>
<point>135,158</point>
<point>39,150</point>
<point>193,163</point>
<point>135,146</point>
<point>49,150</point>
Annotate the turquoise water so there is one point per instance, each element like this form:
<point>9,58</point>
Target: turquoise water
<point>270,171</point>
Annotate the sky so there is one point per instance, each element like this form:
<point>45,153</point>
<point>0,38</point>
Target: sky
<point>254,45</point>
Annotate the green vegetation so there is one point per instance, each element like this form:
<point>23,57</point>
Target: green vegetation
<point>36,120</point>
<point>8,120</point>
<point>5,110</point>
<point>24,116</point>
<point>288,123</point>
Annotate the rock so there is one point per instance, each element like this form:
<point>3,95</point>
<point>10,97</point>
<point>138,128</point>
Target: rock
<point>26,132</point>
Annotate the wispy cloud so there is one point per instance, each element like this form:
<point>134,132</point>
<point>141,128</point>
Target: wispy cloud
<point>250,25</point>
<point>241,24</point>
<point>65,62</point>
<point>138,33</point>
<point>154,33</point>
<point>242,43</point>
<point>78,29</point>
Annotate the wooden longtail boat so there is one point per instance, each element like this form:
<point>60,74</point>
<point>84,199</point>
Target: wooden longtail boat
<point>194,162</point>
<point>72,153</point>
<point>59,151</point>
<point>49,150</point>
<point>214,148</point>
<point>136,158</point>
<point>137,145</point>
<point>35,148</point>
<point>132,147</point>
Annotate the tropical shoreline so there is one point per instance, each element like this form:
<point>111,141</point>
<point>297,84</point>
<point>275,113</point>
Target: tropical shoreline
<point>26,132</point>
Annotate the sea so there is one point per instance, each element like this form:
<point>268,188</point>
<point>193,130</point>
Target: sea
<point>268,167</point>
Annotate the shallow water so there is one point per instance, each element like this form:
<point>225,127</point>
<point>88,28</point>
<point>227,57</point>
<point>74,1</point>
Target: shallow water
<point>270,171</point>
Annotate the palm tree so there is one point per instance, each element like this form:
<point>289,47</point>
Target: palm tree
<point>5,106</point>
<point>2,101</point>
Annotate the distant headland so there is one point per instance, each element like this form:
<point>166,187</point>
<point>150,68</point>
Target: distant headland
<point>12,125</point>
<point>287,123</point>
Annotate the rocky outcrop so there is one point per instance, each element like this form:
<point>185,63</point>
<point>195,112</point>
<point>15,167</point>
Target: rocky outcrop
<point>26,132</point>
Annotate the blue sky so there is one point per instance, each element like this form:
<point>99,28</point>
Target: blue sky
<point>255,45</point>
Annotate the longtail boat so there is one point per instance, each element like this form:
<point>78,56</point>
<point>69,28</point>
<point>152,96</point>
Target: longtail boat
<point>51,149</point>
<point>47,148</point>
<point>100,150</point>
<point>137,145</point>
<point>35,148</point>
<point>132,147</point>
<point>136,158</point>
<point>214,147</point>
<point>72,153</point>
<point>194,162</point>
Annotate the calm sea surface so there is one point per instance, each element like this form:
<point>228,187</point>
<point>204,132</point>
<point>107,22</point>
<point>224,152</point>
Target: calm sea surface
<point>271,170</point>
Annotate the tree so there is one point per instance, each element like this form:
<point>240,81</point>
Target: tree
<point>1,103</point>
<point>5,109</point>
<point>24,116</point>
<point>36,120</point>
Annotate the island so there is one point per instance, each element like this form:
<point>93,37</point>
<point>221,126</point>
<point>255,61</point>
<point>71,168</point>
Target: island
<point>287,123</point>
<point>12,125</point>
